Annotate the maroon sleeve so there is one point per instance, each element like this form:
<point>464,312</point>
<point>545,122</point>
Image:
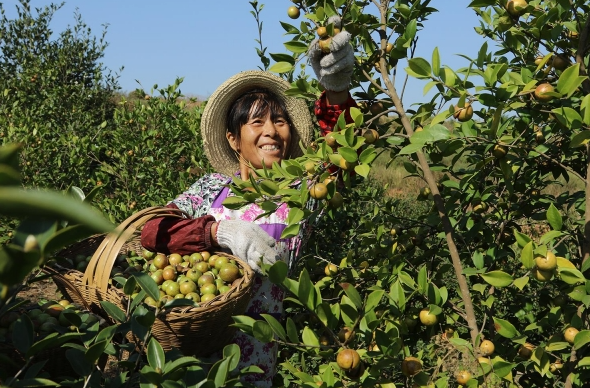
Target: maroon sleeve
<point>176,235</point>
<point>327,115</point>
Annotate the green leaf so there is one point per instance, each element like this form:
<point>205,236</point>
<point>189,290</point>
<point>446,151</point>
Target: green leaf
<point>309,337</point>
<point>571,275</point>
<point>66,236</point>
<point>129,287</point>
<point>411,149</point>
<point>497,278</point>
<point>269,187</point>
<point>521,239</point>
<point>585,109</point>
<point>115,312</point>
<point>363,170</point>
<point>306,292</point>
<point>505,328</point>
<point>278,272</point>
<point>15,202</point>
<point>581,339</point>
<point>526,256</point>
<point>15,264</point>
<point>348,154</point>
<point>503,368</point>
<point>580,138</point>
<point>79,363</point>
<point>262,331</point>
<point>568,117</point>
<point>521,282</point>
<point>296,46</point>
<point>281,67</point>
<point>435,61</point>
<point>36,382</point>
<point>23,334</point>
<point>352,293</point>
<point>419,67</point>
<point>569,80</point>
<point>292,330</point>
<point>373,300</point>
<point>147,284</point>
<point>276,327</point>
<point>234,202</point>
<point>290,231</point>
<point>155,355</point>
<point>422,280</point>
<point>554,217</point>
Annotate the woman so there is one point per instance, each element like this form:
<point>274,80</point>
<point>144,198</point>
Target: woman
<point>249,122</point>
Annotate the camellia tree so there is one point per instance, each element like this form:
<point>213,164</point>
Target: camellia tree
<point>487,286</point>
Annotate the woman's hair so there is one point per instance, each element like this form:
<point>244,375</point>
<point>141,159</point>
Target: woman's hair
<point>255,103</point>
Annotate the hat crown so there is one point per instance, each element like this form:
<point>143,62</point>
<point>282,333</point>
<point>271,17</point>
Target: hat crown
<point>214,119</point>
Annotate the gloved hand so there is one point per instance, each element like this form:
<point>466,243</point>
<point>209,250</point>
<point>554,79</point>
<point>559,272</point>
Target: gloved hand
<point>333,70</point>
<point>247,241</point>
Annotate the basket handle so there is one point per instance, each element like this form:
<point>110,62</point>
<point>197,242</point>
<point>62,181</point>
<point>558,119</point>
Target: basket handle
<point>99,268</point>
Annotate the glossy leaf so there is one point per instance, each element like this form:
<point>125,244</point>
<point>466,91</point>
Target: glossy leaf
<point>353,294</point>
<point>262,331</point>
<point>497,278</point>
<point>276,326</point>
<point>114,312</point>
<point>505,328</point>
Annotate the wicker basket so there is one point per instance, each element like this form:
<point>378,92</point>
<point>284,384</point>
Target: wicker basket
<point>197,331</point>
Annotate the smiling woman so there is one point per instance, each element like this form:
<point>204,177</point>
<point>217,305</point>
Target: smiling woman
<point>249,123</point>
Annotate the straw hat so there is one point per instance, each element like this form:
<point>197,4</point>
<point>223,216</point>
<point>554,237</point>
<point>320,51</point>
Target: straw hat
<point>214,119</point>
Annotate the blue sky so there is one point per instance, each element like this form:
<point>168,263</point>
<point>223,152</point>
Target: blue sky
<point>208,41</point>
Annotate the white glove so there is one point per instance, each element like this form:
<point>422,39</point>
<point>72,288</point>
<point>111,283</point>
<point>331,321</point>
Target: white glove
<point>333,70</point>
<point>247,241</point>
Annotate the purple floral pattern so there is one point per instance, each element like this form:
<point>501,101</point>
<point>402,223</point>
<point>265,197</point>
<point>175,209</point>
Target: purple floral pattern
<point>267,298</point>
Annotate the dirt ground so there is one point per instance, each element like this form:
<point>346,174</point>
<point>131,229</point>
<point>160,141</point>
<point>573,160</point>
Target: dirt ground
<point>44,290</point>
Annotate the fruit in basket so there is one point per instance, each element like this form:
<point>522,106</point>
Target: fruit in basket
<point>198,277</point>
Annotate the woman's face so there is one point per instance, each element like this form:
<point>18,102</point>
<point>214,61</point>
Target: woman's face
<point>262,140</point>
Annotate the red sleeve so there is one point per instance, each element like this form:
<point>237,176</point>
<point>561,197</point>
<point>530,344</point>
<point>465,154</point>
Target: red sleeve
<point>327,115</point>
<point>176,235</point>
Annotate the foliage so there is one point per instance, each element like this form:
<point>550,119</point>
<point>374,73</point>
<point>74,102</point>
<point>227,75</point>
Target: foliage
<point>473,257</point>
<point>62,105</point>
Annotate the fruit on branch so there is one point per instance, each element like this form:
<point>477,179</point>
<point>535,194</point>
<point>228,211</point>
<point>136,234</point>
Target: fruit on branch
<point>424,192</point>
<point>376,108</point>
<point>463,377</point>
<point>427,318</point>
<point>542,276</point>
<point>331,140</point>
<point>344,334</point>
<point>388,48</point>
<point>371,136</point>
<point>324,44</point>
<point>570,334</point>
<point>463,114</point>
<point>541,92</point>
<point>516,7</point>
<point>487,347</point>
<point>346,165</point>
<point>348,360</point>
<point>322,32</point>
<point>546,263</point>
<point>309,167</point>
<point>560,62</point>
<point>411,366</point>
<point>539,137</point>
<point>499,151</point>
<point>336,201</point>
<point>331,269</point>
<point>526,350</point>
<point>293,12</point>
<point>318,191</point>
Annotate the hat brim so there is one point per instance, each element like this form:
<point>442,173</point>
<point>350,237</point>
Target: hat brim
<point>214,119</point>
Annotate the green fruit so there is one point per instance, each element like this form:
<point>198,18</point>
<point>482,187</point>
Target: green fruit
<point>205,279</point>
<point>193,296</point>
<point>207,297</point>
<point>187,287</point>
<point>223,289</point>
<point>229,272</point>
<point>202,266</point>
<point>173,289</point>
<point>147,254</point>
<point>209,288</point>
<point>160,261</point>
<point>174,259</point>
<point>194,274</point>
<point>221,260</point>
<point>195,258</point>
